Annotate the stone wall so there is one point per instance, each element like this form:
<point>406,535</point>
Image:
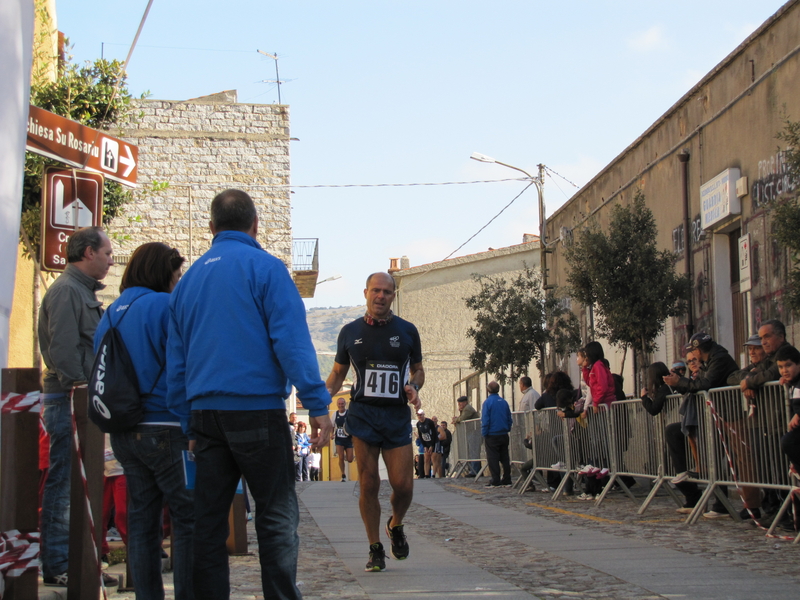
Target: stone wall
<point>201,147</point>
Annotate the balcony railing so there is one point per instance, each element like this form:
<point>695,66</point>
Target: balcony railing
<point>305,254</point>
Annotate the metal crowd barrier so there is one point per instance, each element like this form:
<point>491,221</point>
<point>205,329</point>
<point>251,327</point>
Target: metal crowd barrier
<point>728,441</point>
<point>744,444</point>
<point>550,454</point>
<point>517,451</point>
<point>637,449</point>
<point>471,453</point>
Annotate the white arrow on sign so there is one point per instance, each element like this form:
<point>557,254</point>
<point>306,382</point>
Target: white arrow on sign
<point>127,161</point>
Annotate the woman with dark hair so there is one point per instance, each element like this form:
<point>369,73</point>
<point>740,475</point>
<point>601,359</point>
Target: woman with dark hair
<point>151,453</point>
<point>598,376</point>
<point>553,383</point>
<point>653,398</point>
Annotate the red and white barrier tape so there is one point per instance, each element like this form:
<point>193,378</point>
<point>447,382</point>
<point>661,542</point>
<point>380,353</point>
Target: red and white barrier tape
<point>11,403</point>
<point>77,447</point>
<point>718,421</point>
<point>19,552</point>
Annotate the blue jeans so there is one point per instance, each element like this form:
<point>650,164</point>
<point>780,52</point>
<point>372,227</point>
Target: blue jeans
<point>301,469</point>
<point>258,446</point>
<point>151,456</point>
<point>55,499</point>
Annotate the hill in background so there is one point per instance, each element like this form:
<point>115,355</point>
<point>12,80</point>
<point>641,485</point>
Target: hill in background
<point>324,325</point>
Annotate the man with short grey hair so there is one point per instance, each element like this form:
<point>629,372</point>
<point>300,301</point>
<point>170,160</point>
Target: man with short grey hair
<point>68,318</point>
<point>773,338</point>
<point>529,395</point>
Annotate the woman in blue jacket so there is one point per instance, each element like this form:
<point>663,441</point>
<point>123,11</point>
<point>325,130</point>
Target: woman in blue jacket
<point>151,452</point>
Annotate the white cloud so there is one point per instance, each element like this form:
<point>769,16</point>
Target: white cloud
<point>648,40</point>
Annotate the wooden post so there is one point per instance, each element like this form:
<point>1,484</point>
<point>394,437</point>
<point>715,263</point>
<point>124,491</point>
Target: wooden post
<point>237,524</point>
<point>19,473</point>
<point>84,550</point>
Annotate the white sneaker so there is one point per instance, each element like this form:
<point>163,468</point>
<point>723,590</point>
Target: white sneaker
<point>558,465</point>
<point>344,478</point>
<point>680,477</point>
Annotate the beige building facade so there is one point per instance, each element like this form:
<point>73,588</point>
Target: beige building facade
<point>432,297</point>
<point>711,168</point>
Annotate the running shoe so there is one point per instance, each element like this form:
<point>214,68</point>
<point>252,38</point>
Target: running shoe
<point>377,558</point>
<point>398,539</point>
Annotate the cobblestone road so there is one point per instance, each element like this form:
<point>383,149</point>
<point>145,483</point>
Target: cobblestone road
<point>322,574</point>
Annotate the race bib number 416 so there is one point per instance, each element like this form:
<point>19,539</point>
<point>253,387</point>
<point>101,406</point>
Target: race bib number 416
<point>382,379</point>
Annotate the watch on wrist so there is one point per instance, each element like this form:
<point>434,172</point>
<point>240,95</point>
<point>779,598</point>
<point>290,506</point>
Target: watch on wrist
<point>414,385</point>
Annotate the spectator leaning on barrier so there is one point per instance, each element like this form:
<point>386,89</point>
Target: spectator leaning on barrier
<point>773,338</point>
<point>788,361</point>
<point>598,376</point>
<point>718,365</point>
<point>465,411</point>
<point>529,395</point>
<point>496,424</point>
<point>555,382</point>
<point>653,398</point>
<point>756,355</point>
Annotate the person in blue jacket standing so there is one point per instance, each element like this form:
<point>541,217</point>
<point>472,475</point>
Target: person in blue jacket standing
<point>151,452</point>
<point>238,340</point>
<point>495,426</point>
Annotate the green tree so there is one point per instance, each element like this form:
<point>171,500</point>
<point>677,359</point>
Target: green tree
<point>786,215</point>
<point>84,94</point>
<point>516,322</point>
<point>622,273</point>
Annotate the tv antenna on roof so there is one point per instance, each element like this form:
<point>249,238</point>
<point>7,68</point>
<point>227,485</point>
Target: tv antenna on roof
<point>277,79</point>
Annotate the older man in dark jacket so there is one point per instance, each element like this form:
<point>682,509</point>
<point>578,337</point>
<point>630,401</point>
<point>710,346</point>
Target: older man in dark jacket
<point>773,338</point>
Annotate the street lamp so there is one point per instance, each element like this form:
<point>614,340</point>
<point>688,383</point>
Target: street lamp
<point>331,278</point>
<point>539,183</point>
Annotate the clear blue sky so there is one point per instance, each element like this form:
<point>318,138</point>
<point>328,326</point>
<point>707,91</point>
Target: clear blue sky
<point>404,92</point>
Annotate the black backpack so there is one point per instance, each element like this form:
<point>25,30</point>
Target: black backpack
<point>115,402</point>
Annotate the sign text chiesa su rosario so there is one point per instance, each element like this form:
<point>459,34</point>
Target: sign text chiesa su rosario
<point>73,197</point>
<point>70,142</point>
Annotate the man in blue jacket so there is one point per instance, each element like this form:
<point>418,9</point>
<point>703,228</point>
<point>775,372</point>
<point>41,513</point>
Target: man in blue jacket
<point>238,341</point>
<point>495,425</point>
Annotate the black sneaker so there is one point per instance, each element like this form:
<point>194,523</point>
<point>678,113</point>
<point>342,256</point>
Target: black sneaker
<point>109,580</point>
<point>58,580</point>
<point>744,515</point>
<point>398,539</point>
<point>377,558</point>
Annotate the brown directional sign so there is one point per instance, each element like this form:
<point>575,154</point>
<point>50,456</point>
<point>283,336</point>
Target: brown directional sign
<point>71,199</point>
<point>68,141</point>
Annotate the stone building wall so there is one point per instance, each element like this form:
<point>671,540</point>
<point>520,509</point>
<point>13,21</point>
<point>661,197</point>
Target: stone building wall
<point>432,298</point>
<point>201,147</point>
<point>729,120</point>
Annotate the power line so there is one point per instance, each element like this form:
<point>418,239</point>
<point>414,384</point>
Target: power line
<point>179,48</point>
<point>575,185</point>
<point>355,185</point>
<point>429,271</point>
